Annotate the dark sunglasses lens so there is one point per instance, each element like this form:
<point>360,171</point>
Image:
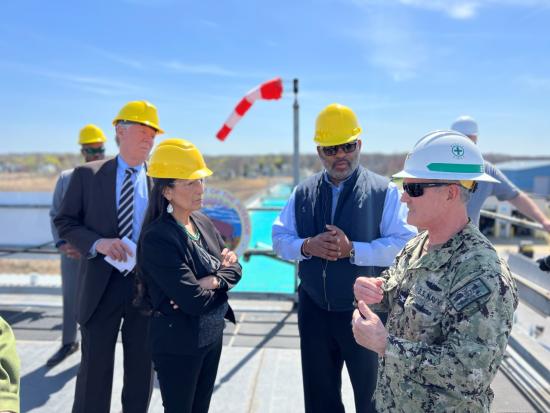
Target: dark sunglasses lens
<point>94,151</point>
<point>349,147</point>
<point>413,190</point>
<point>330,150</point>
<point>333,150</point>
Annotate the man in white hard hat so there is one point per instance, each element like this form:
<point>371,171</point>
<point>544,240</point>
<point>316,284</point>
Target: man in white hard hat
<point>505,190</point>
<point>450,299</point>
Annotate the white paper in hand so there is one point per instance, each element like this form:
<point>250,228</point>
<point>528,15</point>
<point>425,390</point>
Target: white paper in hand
<point>130,262</point>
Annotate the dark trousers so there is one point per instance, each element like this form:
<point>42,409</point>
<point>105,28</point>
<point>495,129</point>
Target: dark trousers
<point>187,381</point>
<point>326,342</point>
<point>99,335</point>
<point>69,280</point>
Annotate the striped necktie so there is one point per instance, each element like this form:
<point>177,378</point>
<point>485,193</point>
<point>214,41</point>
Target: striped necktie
<point>126,206</point>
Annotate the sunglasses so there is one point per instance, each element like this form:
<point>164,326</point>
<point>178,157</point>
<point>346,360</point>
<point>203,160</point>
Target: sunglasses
<point>333,150</point>
<point>417,189</point>
<point>93,151</point>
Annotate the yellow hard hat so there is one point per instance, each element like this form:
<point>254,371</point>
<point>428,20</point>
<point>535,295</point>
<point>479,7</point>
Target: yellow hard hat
<point>140,111</point>
<point>91,134</point>
<point>177,159</point>
<point>335,125</point>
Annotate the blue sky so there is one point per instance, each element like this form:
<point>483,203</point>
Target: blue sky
<point>405,66</point>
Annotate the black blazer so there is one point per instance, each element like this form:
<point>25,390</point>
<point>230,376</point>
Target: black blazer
<point>166,263</point>
<point>89,212</point>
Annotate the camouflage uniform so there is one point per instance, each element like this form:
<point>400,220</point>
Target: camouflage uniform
<point>450,315</point>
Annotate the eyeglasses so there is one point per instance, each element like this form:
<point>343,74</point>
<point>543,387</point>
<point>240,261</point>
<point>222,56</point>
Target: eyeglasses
<point>417,189</point>
<point>93,151</point>
<point>333,150</point>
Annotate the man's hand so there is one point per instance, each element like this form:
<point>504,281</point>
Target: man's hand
<point>210,282</point>
<point>369,290</point>
<point>324,245</point>
<point>546,225</point>
<point>228,257</point>
<point>114,248</point>
<point>368,330</point>
<point>345,244</point>
<point>69,251</point>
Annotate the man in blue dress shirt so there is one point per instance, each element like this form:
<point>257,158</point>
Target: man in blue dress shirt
<point>105,202</point>
<point>339,224</point>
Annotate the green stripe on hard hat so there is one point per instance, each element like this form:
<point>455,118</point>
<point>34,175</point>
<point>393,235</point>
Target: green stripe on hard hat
<point>455,167</point>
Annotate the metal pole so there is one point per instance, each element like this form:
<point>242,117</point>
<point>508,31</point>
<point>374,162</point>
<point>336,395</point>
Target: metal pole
<point>296,159</point>
<point>296,163</point>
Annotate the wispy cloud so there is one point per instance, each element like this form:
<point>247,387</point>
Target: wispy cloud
<point>392,45</point>
<point>535,82</point>
<point>123,60</point>
<point>202,69</point>
<point>461,9</point>
<point>93,84</point>
<point>209,23</point>
<point>457,9</point>
<point>208,69</point>
<point>150,3</point>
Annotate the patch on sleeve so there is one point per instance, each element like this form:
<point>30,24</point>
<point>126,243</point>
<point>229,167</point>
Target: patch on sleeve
<point>471,292</point>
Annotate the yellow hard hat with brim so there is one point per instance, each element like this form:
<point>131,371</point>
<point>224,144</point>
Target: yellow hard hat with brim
<point>177,159</point>
<point>139,111</point>
<point>91,134</point>
<point>336,125</point>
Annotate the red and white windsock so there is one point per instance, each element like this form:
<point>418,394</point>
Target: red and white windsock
<point>272,89</point>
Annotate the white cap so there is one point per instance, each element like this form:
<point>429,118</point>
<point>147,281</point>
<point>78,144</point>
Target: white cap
<point>465,125</point>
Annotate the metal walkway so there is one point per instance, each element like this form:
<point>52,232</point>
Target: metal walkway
<point>259,369</point>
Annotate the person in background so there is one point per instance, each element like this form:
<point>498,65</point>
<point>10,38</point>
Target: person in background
<point>104,204</point>
<point>9,370</point>
<point>451,298</point>
<point>187,273</point>
<point>92,147</point>
<point>340,223</point>
<point>504,190</point>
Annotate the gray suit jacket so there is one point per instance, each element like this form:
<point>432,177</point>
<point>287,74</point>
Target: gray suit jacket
<point>58,195</point>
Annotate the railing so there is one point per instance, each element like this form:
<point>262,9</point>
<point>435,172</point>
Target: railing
<point>47,248</point>
<point>512,220</point>
<point>525,364</point>
<point>529,375</point>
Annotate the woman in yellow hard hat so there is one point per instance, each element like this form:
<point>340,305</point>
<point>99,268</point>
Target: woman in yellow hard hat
<point>187,272</point>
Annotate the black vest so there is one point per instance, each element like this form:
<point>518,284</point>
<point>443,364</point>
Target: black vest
<point>358,213</point>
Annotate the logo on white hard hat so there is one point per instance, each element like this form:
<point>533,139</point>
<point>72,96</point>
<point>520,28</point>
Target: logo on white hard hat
<point>457,151</point>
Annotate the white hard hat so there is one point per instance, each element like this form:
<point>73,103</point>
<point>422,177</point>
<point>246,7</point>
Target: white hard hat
<point>465,125</point>
<point>445,155</point>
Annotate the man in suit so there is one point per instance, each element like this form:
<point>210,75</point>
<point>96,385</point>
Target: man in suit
<point>105,202</point>
<point>92,140</point>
